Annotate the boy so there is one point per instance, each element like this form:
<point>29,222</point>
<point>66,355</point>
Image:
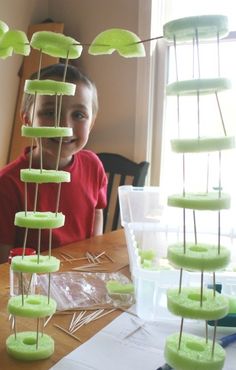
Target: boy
<point>83,199</point>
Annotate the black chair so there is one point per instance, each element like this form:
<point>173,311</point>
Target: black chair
<point>120,171</point>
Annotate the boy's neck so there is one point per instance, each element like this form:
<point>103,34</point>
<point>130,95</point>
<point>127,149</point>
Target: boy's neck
<point>49,162</point>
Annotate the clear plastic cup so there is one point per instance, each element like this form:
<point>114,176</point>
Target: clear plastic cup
<point>21,281</point>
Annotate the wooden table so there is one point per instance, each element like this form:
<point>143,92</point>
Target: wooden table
<point>115,246</point>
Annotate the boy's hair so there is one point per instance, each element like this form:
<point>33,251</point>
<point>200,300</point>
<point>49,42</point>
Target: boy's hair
<point>72,75</point>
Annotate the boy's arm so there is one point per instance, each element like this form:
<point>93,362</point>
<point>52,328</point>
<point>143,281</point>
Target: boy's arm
<point>98,222</point>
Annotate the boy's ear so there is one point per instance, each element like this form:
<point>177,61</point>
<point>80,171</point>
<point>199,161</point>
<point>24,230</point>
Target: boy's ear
<point>25,118</point>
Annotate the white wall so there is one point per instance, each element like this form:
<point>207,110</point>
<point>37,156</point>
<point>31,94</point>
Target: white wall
<point>115,77</point>
<point>18,15</point>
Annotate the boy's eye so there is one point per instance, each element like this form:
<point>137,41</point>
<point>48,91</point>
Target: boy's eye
<point>78,115</point>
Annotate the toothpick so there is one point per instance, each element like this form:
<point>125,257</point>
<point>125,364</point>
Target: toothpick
<point>47,321</point>
<point>67,332</point>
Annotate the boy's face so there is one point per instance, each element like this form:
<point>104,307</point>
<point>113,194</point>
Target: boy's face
<point>76,112</point>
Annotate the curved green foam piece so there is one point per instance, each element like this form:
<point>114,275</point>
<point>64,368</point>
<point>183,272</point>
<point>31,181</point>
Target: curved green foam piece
<point>49,87</point>
<point>115,287</point>
<point>187,303</point>
<point>203,144</point>
<point>56,44</point>
<point>200,201</point>
<point>16,41</point>
<point>33,264</point>
<point>29,131</point>
<point>44,176</point>
<point>125,42</point>
<point>23,346</point>
<point>198,257</point>
<point>3,28</point>
<point>199,85</point>
<point>39,220</point>
<point>34,306</point>
<point>194,353</point>
<point>207,26</point>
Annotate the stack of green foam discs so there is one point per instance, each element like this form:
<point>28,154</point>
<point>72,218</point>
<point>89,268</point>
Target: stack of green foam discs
<point>32,345</point>
<point>184,351</point>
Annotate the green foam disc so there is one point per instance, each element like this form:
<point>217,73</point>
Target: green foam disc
<point>194,353</point>
<point>44,176</point>
<point>56,44</point>
<point>33,306</point>
<point>198,257</point>
<point>29,131</point>
<point>15,40</point>
<point>201,86</point>
<point>207,26</point>
<point>3,28</point>
<point>39,220</point>
<point>33,264</point>
<point>115,287</point>
<point>49,87</point>
<point>147,254</point>
<point>202,144</point>
<point>200,201</point>
<point>187,303</point>
<point>126,43</point>
<point>24,346</point>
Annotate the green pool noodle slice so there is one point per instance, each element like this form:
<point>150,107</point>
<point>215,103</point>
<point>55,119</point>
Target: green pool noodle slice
<point>198,257</point>
<point>187,303</point>
<point>23,346</point>
<point>203,86</point>
<point>49,87</point>
<point>232,304</point>
<point>33,264</point>
<point>3,28</point>
<point>115,287</point>
<point>39,220</point>
<point>200,201</point>
<point>125,42</point>
<point>15,40</point>
<point>46,131</point>
<point>35,306</point>
<point>44,176</point>
<point>56,44</point>
<point>147,254</point>
<point>207,26</point>
<point>203,144</point>
<point>194,353</point>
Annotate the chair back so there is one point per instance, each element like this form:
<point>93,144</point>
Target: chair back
<point>120,171</point>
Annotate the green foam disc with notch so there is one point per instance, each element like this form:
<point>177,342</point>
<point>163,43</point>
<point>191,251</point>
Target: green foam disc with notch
<point>35,264</point>
<point>44,176</point>
<point>24,346</point>
<point>187,304</point>
<point>126,43</point>
<point>207,26</point>
<point>15,40</point>
<point>200,85</point>
<point>209,144</point>
<point>194,353</point>
<point>39,220</point>
<point>200,201</point>
<point>56,44</point>
<point>198,257</point>
<point>29,131</point>
<point>49,87</point>
<point>31,306</point>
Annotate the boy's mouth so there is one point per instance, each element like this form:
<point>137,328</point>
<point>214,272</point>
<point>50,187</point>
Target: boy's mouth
<point>64,140</point>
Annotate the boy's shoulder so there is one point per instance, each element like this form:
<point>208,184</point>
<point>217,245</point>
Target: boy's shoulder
<point>88,155</point>
<point>13,167</point>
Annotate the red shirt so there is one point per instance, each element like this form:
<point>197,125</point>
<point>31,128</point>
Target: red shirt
<point>78,201</point>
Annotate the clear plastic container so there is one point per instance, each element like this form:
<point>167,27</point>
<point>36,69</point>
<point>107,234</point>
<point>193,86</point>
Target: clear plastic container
<point>21,281</point>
